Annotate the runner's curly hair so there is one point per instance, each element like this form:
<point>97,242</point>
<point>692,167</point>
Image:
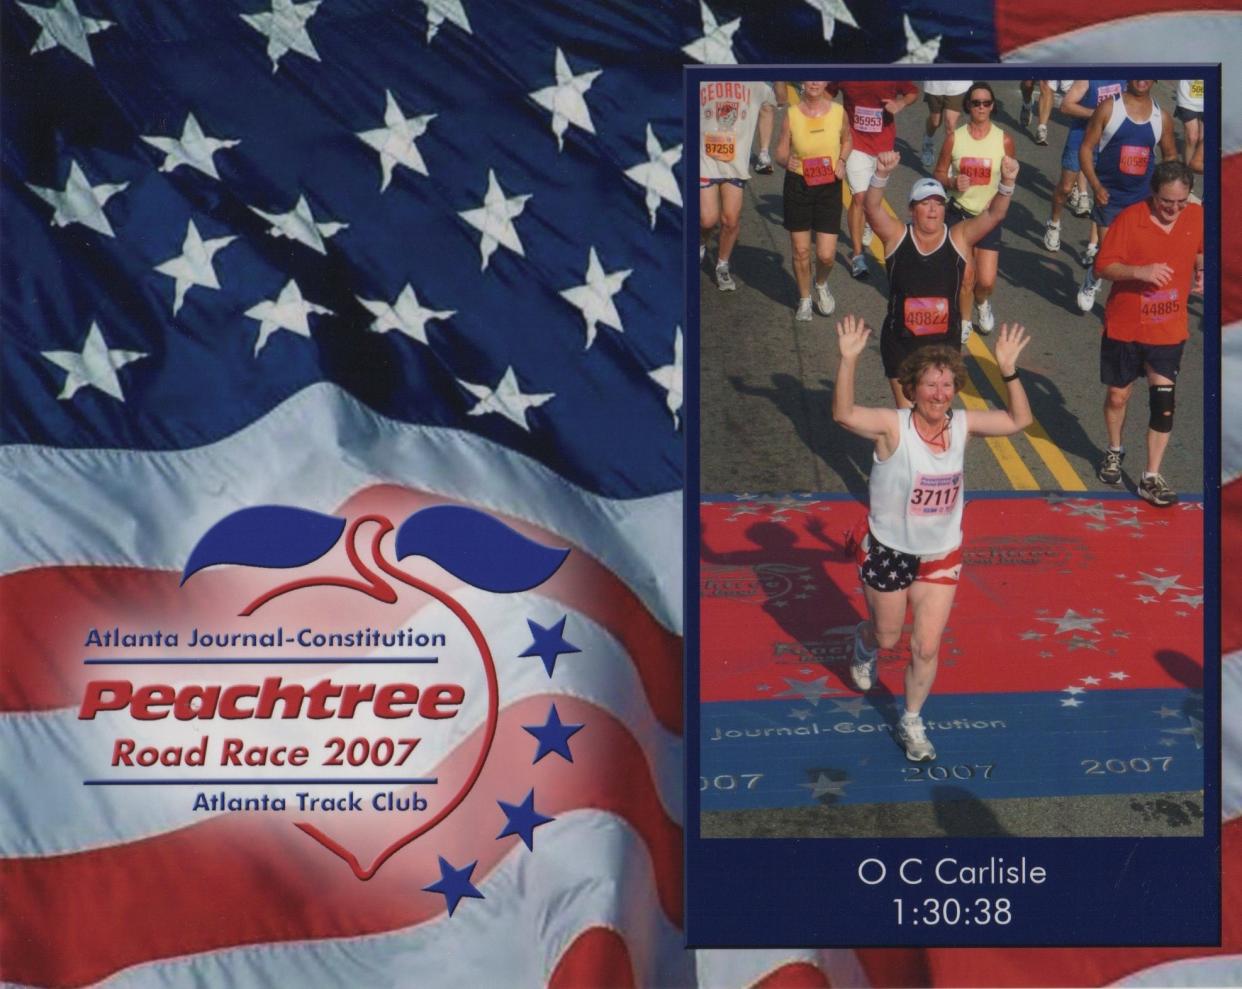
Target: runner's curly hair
<point>937,356</point>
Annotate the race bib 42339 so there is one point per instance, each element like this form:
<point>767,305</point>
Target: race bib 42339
<point>818,171</point>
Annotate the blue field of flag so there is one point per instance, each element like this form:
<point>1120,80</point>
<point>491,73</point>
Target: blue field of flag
<point>767,754</point>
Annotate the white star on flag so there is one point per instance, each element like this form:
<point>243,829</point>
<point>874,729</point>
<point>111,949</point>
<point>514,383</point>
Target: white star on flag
<point>1072,621</point>
<point>193,265</point>
<point>193,148</point>
<point>62,25</point>
<point>79,201</point>
<point>1070,702</point>
<point>567,99</point>
<point>1072,690</point>
<point>494,220</point>
<point>832,11</point>
<point>918,52</point>
<point>290,311</point>
<point>300,224</point>
<point>594,297</point>
<point>439,11</point>
<point>1091,681</point>
<point>669,378</point>
<point>395,140</point>
<point>1119,676</point>
<point>1194,600</point>
<point>716,45</point>
<point>1160,584</point>
<point>852,707</point>
<point>285,28</point>
<point>95,366</point>
<point>406,315</point>
<point>507,399</point>
<point>656,176</point>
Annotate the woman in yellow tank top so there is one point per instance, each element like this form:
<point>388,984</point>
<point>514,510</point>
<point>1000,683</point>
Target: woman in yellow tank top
<point>813,146</point>
<point>969,167</point>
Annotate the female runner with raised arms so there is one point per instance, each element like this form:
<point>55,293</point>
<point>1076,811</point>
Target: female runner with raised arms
<point>911,551</point>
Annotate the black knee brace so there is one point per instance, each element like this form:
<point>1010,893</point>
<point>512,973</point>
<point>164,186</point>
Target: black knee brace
<point>1160,401</point>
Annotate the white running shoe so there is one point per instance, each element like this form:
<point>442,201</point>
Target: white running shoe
<point>913,737</point>
<point>1041,134</point>
<point>724,280</point>
<point>862,666</point>
<point>803,315</point>
<point>1086,294</point>
<point>1052,236</point>
<point>1072,200</point>
<point>858,266</point>
<point>868,234</point>
<point>929,152</point>
<point>824,302</point>
<point>764,165</point>
<point>984,317</point>
<point>967,329</point>
<point>1088,258</point>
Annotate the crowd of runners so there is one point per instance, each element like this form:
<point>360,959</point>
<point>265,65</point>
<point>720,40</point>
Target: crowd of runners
<point>1121,167</point>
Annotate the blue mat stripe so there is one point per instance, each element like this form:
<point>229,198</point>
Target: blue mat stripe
<point>774,753</point>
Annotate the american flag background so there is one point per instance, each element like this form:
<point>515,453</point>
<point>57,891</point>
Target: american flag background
<point>346,253</point>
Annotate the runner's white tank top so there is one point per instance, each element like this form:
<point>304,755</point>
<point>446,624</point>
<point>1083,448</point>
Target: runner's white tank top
<point>917,493</point>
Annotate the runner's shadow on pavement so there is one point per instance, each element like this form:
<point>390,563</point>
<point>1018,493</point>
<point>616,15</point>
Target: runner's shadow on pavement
<point>1063,427</point>
<point>771,206</point>
<point>766,272</point>
<point>803,601</point>
<point>810,411</point>
<point>960,813</point>
<point>1058,280</point>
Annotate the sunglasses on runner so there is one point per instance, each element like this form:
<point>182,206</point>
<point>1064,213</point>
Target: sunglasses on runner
<point>981,102</point>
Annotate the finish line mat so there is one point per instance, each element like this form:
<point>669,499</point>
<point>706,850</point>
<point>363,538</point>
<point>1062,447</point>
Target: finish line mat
<point>1072,663</point>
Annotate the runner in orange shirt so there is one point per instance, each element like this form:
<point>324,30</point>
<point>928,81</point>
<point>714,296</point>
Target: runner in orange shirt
<point>1153,255</point>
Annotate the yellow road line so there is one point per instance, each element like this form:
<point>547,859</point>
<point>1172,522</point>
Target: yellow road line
<point>877,245</point>
<point>1006,455</point>
<point>1048,451</point>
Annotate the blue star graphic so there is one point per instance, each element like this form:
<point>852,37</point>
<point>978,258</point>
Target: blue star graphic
<point>553,736</point>
<point>548,643</point>
<point>454,884</point>
<point>523,819</point>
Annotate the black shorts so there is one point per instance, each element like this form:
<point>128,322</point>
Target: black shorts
<point>1122,361</point>
<point>1183,114</point>
<point>896,344</point>
<point>992,242</point>
<point>812,207</point>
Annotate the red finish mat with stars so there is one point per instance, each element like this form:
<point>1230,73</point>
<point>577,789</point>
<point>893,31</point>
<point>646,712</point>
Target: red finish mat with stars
<point>1058,593</point>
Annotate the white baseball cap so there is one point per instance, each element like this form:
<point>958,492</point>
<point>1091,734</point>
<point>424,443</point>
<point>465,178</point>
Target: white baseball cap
<point>927,187</point>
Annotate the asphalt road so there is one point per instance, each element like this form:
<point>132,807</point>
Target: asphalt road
<point>766,426</point>
<point>766,381</point>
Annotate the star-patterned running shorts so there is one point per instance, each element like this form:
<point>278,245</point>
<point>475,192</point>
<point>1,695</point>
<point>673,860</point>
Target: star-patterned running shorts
<point>886,569</point>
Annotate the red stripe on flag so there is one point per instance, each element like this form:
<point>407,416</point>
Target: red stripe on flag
<point>795,975</point>
<point>597,957</point>
<point>74,919</point>
<point>1231,559</point>
<point>1230,242</point>
<point>1025,22</point>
